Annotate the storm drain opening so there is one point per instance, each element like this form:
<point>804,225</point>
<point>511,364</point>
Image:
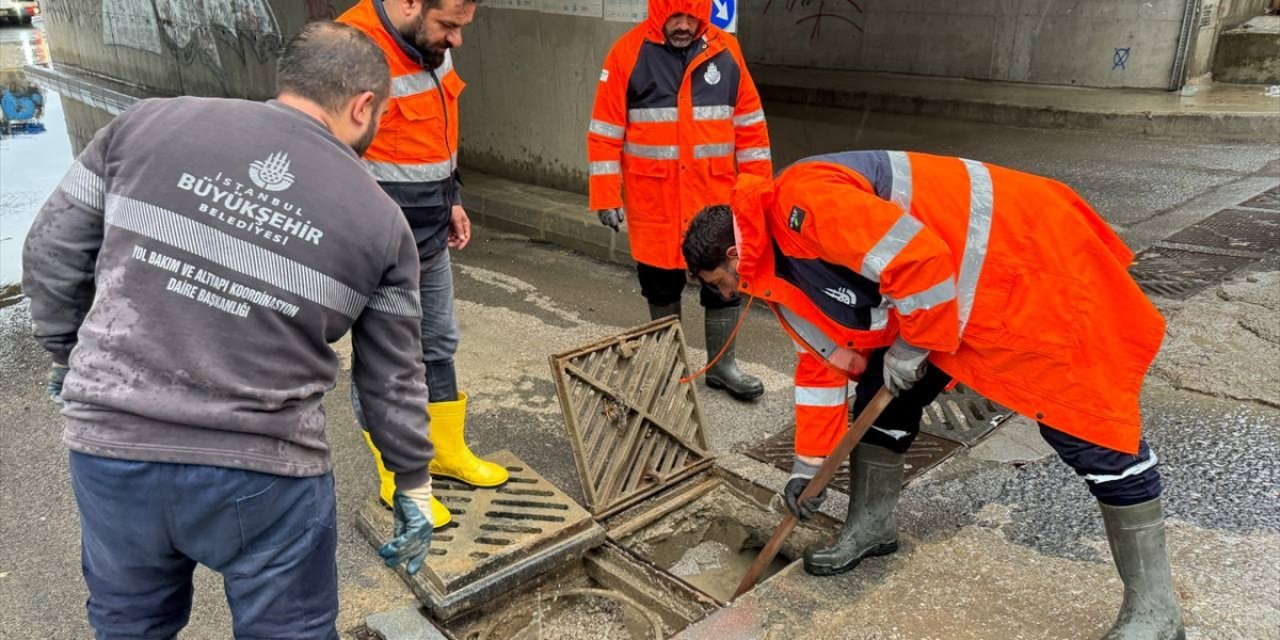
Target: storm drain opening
<point>964,415</point>
<point>1179,274</point>
<point>927,452</point>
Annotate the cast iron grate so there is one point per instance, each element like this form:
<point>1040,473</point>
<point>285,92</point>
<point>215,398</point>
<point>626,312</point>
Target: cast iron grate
<point>1179,274</point>
<point>1269,199</point>
<point>1233,230</point>
<point>634,427</point>
<point>493,531</point>
<point>363,632</point>
<point>925,453</point>
<point>961,414</point>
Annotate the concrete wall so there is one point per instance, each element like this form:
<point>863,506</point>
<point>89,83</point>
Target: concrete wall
<point>1212,18</point>
<point>1096,43</point>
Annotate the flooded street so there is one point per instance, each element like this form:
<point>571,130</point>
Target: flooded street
<point>34,151</point>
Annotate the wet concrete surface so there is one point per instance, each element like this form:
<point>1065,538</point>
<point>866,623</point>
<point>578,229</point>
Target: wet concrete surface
<point>993,548</point>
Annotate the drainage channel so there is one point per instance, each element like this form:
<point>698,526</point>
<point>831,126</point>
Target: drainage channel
<point>664,538</point>
<point>1206,253</point>
<point>926,452</point>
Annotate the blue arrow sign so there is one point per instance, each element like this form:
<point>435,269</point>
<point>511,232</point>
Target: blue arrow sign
<point>723,14</point>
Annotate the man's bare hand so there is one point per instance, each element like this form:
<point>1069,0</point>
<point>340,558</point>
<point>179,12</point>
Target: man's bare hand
<point>459,228</point>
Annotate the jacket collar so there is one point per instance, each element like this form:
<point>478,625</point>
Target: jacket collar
<point>391,30</point>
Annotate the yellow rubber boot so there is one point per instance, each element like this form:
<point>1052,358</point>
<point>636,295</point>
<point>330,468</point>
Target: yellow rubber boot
<point>453,458</point>
<point>440,515</point>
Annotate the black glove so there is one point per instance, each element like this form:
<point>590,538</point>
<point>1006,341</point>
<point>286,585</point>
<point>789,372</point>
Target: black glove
<point>57,374</point>
<point>612,218</point>
<point>801,473</point>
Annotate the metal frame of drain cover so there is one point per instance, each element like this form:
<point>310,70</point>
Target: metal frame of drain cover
<point>499,538</point>
<point>926,452</point>
<point>963,414</point>
<point>634,427</point>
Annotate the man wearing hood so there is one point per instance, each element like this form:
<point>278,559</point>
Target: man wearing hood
<point>676,118</point>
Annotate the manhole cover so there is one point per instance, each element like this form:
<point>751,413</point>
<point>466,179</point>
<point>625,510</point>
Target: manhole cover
<point>634,427</point>
<point>1179,274</point>
<point>925,453</point>
<point>1269,199</point>
<point>961,414</point>
<point>498,537</point>
<point>1234,230</point>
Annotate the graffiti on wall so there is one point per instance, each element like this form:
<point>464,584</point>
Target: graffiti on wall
<point>190,29</point>
<point>845,14</point>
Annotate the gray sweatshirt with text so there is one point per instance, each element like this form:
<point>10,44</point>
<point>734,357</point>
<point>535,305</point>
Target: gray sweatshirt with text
<point>195,265</point>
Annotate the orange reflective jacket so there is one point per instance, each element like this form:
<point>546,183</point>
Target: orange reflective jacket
<point>1015,284</point>
<point>417,139</point>
<point>672,136</point>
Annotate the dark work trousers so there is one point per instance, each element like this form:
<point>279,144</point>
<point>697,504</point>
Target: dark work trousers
<point>1114,478</point>
<point>145,525</point>
<point>662,287</point>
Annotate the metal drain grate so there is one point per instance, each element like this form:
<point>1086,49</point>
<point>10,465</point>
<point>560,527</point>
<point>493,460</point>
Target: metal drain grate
<point>925,453</point>
<point>1180,274</point>
<point>961,414</point>
<point>1233,230</point>
<point>517,528</point>
<point>634,427</point>
<point>1269,199</point>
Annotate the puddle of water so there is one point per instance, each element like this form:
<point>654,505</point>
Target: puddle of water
<point>716,569</point>
<point>32,162</point>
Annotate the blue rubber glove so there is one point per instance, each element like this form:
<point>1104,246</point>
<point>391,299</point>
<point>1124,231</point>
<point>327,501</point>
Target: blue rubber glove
<point>57,374</point>
<point>801,473</point>
<point>413,529</point>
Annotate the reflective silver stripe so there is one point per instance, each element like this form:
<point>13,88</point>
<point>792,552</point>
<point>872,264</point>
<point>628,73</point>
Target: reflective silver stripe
<point>712,150</point>
<point>813,337</point>
<point>754,153</point>
<point>395,172</point>
<point>654,151</point>
<point>879,318</point>
<point>748,119</point>
<point>83,185</point>
<point>600,127</point>
<point>1131,471</point>
<point>656,114</point>
<point>901,166</point>
<point>714,112</point>
<point>981,206</point>
<point>933,296</point>
<point>889,246</point>
<point>822,396</point>
<point>420,82</point>
<point>606,168</point>
<point>398,302</point>
<point>232,253</point>
<point>892,433</point>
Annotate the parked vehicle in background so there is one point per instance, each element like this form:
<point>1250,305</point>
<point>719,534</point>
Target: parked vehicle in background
<point>19,11</point>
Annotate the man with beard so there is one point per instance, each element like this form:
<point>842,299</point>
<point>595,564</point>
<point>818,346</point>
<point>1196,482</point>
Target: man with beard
<point>415,159</point>
<point>676,118</point>
<point>191,343</point>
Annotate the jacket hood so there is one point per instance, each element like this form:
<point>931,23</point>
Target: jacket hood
<point>752,198</point>
<point>660,10</point>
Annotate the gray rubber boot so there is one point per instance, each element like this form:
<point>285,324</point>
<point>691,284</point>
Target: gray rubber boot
<point>726,375</point>
<point>870,529</point>
<point>656,312</point>
<point>1150,611</point>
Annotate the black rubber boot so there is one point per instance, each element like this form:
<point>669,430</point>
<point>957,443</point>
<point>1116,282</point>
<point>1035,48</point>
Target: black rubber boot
<point>870,529</point>
<point>725,374</point>
<point>1150,611</point>
<point>656,312</point>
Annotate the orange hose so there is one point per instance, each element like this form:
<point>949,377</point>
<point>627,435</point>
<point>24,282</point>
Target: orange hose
<point>711,363</point>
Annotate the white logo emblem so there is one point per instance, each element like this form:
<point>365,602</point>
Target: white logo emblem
<point>842,295</point>
<point>272,174</point>
<point>713,74</point>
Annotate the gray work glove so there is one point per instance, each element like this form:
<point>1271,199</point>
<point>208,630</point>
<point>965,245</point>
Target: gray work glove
<point>904,365</point>
<point>413,529</point>
<point>612,218</point>
<point>57,374</point>
<point>801,473</point>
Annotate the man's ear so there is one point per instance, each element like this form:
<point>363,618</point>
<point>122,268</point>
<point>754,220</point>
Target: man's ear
<point>364,108</point>
<point>732,251</point>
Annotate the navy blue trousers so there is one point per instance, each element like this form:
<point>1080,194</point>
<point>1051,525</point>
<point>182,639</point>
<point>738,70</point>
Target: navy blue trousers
<point>1114,478</point>
<point>145,525</point>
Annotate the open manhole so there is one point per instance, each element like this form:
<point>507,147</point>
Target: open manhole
<point>497,537</point>
<point>925,453</point>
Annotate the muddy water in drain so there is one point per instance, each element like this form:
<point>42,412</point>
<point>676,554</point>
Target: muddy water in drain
<point>716,569</point>
<point>594,618</point>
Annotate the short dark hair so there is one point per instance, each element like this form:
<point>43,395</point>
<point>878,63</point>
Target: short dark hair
<point>708,239</point>
<point>330,63</point>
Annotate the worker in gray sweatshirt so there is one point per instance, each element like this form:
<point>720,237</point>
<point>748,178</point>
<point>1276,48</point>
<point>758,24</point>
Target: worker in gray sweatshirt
<point>188,277</point>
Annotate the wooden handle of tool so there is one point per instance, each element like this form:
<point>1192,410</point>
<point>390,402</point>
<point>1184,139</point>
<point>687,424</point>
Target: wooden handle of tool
<point>819,482</point>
